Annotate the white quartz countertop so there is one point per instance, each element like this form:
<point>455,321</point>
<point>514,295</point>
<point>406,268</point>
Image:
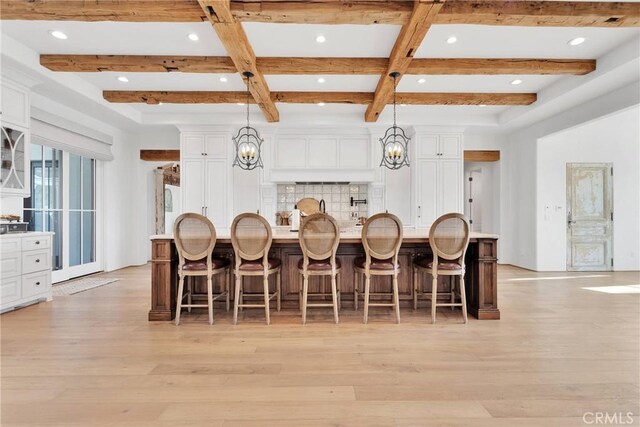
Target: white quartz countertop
<point>352,233</point>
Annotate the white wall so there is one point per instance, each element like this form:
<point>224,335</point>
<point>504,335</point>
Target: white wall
<point>611,139</point>
<point>161,138</point>
<point>522,167</point>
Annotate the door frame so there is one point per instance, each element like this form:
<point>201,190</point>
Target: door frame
<point>609,201</point>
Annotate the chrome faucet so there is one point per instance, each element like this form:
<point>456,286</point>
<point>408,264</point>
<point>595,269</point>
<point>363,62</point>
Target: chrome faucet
<point>323,209</point>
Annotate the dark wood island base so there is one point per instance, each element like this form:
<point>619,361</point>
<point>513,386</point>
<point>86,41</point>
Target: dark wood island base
<point>481,274</point>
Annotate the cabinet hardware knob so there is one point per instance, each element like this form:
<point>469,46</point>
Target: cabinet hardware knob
<point>38,260</point>
<point>37,283</point>
<point>37,242</point>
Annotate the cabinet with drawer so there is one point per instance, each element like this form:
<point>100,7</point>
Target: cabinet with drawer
<point>25,269</point>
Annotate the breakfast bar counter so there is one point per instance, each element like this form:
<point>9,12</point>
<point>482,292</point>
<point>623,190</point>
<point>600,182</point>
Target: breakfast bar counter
<point>480,260</point>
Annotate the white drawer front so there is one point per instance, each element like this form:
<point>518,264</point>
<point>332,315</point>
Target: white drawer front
<point>10,290</point>
<point>37,283</point>
<point>36,242</point>
<point>10,264</point>
<point>10,244</point>
<point>33,261</point>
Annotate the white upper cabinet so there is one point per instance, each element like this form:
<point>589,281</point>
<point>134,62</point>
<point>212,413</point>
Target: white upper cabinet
<point>200,144</point>
<point>442,146</point>
<point>321,156</point>
<point>14,140</point>
<point>15,105</point>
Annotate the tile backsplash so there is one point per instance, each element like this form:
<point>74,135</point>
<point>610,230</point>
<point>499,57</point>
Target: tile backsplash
<point>336,197</point>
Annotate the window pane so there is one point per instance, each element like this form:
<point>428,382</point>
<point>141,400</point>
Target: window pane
<point>74,238</point>
<point>88,183</point>
<point>53,178</point>
<point>34,218</point>
<point>88,237</point>
<point>54,223</point>
<point>35,201</point>
<point>74,181</point>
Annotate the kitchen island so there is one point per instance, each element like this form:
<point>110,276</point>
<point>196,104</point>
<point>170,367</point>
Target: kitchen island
<point>481,270</point>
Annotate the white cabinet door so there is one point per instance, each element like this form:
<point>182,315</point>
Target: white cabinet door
<point>193,185</point>
<point>427,146</point>
<point>398,190</point>
<point>245,191</point>
<point>193,145</point>
<point>217,190</point>
<point>427,192</point>
<point>450,147</point>
<point>215,146</point>
<point>450,186</point>
<point>290,153</point>
<point>15,105</point>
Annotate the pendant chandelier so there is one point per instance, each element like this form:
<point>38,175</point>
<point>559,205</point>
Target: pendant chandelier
<point>248,142</point>
<point>395,143</point>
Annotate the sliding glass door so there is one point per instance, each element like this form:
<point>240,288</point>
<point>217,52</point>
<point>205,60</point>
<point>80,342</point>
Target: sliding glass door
<point>64,200</point>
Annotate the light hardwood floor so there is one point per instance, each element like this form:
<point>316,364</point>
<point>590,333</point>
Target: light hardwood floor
<point>93,359</point>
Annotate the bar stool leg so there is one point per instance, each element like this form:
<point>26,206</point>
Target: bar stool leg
<point>179,299</point>
<point>416,285</point>
<point>210,298</point>
<point>339,291</point>
<point>434,298</point>
<point>305,293</point>
<point>356,279</point>
<point>367,282</point>
<point>334,294</point>
<point>452,282</point>
<point>227,282</point>
<point>300,279</point>
<point>189,292</point>
<point>279,290</point>
<point>396,298</point>
<point>266,299</point>
<point>236,299</point>
<point>463,299</point>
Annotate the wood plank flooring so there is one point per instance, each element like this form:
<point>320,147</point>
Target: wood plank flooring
<point>93,359</point>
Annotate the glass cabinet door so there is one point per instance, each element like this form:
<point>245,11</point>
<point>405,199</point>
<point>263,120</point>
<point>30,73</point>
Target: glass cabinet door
<point>12,145</point>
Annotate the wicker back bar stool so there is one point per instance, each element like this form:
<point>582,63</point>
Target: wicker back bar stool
<point>381,238</point>
<point>195,238</point>
<point>251,238</point>
<point>319,236</point>
<point>449,240</point>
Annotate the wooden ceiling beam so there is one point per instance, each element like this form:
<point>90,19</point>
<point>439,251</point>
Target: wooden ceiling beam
<point>362,98</point>
<point>541,13</point>
<point>103,10</point>
<point>235,41</point>
<point>408,41</point>
<point>314,66</point>
<point>486,12</point>
<point>324,12</point>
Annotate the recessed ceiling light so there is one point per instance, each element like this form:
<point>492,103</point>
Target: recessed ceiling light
<point>223,79</point>
<point>403,105</point>
<point>193,37</point>
<point>320,104</point>
<point>516,82</point>
<point>160,103</point>
<point>58,34</point>
<point>421,81</point>
<point>482,105</point>
<point>321,80</point>
<point>241,104</point>
<point>321,39</point>
<point>577,41</point>
<point>452,39</point>
<point>123,79</point>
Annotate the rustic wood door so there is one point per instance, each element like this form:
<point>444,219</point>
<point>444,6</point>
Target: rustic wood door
<point>589,216</point>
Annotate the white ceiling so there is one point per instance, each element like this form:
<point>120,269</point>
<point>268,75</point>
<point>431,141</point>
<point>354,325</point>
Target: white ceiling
<point>299,40</point>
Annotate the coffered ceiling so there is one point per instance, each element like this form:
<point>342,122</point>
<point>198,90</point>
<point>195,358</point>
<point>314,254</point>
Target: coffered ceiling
<point>544,38</point>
